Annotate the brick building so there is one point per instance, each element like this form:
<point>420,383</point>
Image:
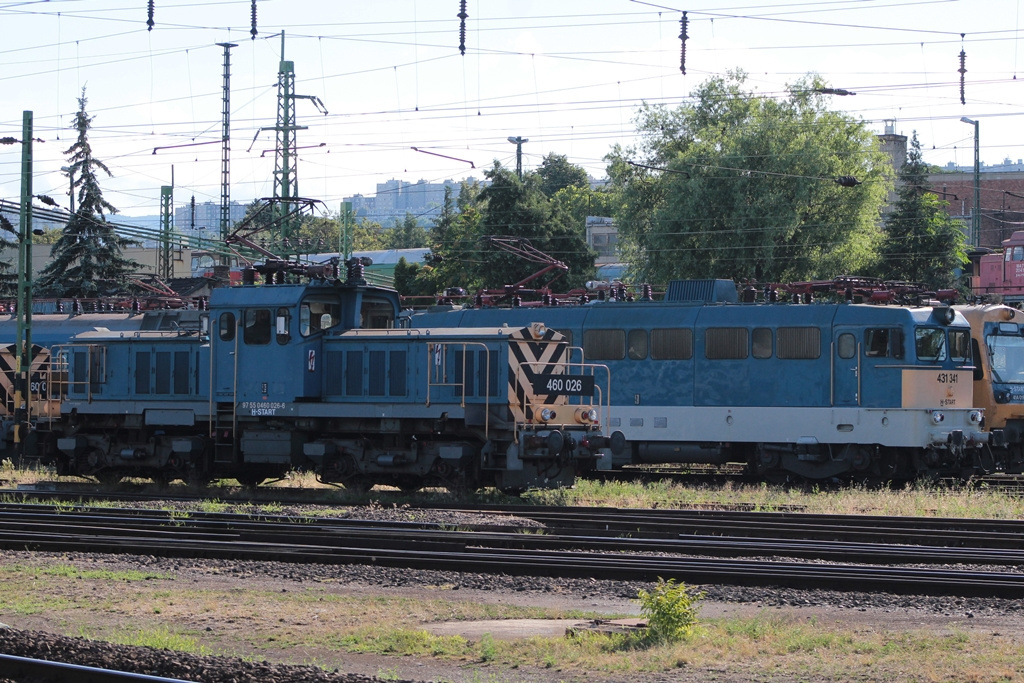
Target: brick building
<point>1002,201</point>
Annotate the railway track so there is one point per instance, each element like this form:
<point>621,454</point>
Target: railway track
<point>28,669</point>
<point>696,558</point>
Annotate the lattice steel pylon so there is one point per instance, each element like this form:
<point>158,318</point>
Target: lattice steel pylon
<point>286,177</point>
<point>225,155</point>
<point>165,265</point>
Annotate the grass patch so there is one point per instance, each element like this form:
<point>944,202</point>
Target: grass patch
<point>919,499</point>
<point>67,571</point>
<point>161,638</point>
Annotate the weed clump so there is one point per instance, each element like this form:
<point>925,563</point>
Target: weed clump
<point>670,610</point>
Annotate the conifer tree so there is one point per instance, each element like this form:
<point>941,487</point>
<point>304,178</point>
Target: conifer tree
<point>922,243</point>
<point>87,258</point>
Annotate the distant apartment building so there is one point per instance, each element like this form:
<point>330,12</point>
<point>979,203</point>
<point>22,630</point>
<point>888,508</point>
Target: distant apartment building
<point>396,198</point>
<point>603,237</point>
<point>1006,166</point>
<point>207,217</point>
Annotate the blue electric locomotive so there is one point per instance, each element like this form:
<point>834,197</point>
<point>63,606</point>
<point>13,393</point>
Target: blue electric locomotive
<point>814,390</point>
<point>282,376</point>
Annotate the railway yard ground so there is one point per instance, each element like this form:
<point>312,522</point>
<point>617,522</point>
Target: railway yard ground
<point>269,621</point>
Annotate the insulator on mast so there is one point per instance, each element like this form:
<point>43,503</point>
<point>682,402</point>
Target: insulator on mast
<point>253,30</point>
<point>962,70</point>
<point>682,37</point>
<point>149,22</point>
<point>462,15</point>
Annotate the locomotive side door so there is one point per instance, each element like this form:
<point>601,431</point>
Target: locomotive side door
<point>846,368</point>
<point>224,342</point>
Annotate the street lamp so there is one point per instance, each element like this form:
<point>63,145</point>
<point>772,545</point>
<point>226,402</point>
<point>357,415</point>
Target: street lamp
<point>518,142</point>
<point>976,209</point>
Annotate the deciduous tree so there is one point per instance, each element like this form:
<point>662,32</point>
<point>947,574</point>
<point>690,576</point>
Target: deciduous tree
<point>739,185</point>
<point>557,172</point>
<point>517,208</point>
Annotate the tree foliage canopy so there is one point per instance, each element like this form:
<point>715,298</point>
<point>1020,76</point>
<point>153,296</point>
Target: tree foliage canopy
<point>87,257</point>
<point>519,209</point>
<point>557,172</point>
<point>738,185</point>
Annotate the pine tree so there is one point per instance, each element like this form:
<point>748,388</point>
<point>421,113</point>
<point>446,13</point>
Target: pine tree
<point>87,259</point>
<point>922,243</point>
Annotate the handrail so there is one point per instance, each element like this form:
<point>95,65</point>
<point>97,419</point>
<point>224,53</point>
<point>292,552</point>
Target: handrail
<point>437,353</point>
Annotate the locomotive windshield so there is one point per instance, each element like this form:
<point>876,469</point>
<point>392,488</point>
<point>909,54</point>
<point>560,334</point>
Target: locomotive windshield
<point>931,345</point>
<point>1007,355</point>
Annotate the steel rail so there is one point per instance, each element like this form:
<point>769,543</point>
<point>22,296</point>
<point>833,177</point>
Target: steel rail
<point>939,533</point>
<point>15,668</point>
<point>511,552</point>
<point>954,531</point>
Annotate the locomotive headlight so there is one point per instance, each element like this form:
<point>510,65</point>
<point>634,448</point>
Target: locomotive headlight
<point>938,417</point>
<point>975,417</point>
<point>547,414</point>
<point>585,415</point>
<point>592,415</point>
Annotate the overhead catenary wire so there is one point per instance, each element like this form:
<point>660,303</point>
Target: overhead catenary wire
<point>419,30</point>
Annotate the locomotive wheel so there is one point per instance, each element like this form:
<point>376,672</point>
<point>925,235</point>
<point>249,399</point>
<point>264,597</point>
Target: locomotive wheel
<point>409,486</point>
<point>109,477</point>
<point>449,477</point>
<point>250,481</point>
<point>357,484</point>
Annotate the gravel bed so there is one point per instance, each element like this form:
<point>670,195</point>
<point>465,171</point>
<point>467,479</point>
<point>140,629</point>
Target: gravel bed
<point>231,670</point>
<point>163,663</point>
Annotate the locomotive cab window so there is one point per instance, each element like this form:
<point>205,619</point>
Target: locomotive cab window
<point>930,343</point>
<point>257,326</point>
<point>960,346</point>
<point>227,326</point>
<point>376,314</point>
<point>883,343</point>
<point>317,316</point>
<point>284,325</point>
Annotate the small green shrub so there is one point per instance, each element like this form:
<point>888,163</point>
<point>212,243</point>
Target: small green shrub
<point>670,610</point>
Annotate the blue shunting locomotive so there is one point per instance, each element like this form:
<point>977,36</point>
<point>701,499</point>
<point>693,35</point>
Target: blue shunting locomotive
<point>281,376</point>
<point>51,328</point>
<point>813,390</point>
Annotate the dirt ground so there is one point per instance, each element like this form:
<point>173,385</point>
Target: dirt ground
<point>227,630</point>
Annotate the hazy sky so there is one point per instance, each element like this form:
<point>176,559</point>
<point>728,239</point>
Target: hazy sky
<point>566,74</point>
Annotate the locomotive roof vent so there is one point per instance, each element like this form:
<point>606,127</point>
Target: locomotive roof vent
<point>702,291</point>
